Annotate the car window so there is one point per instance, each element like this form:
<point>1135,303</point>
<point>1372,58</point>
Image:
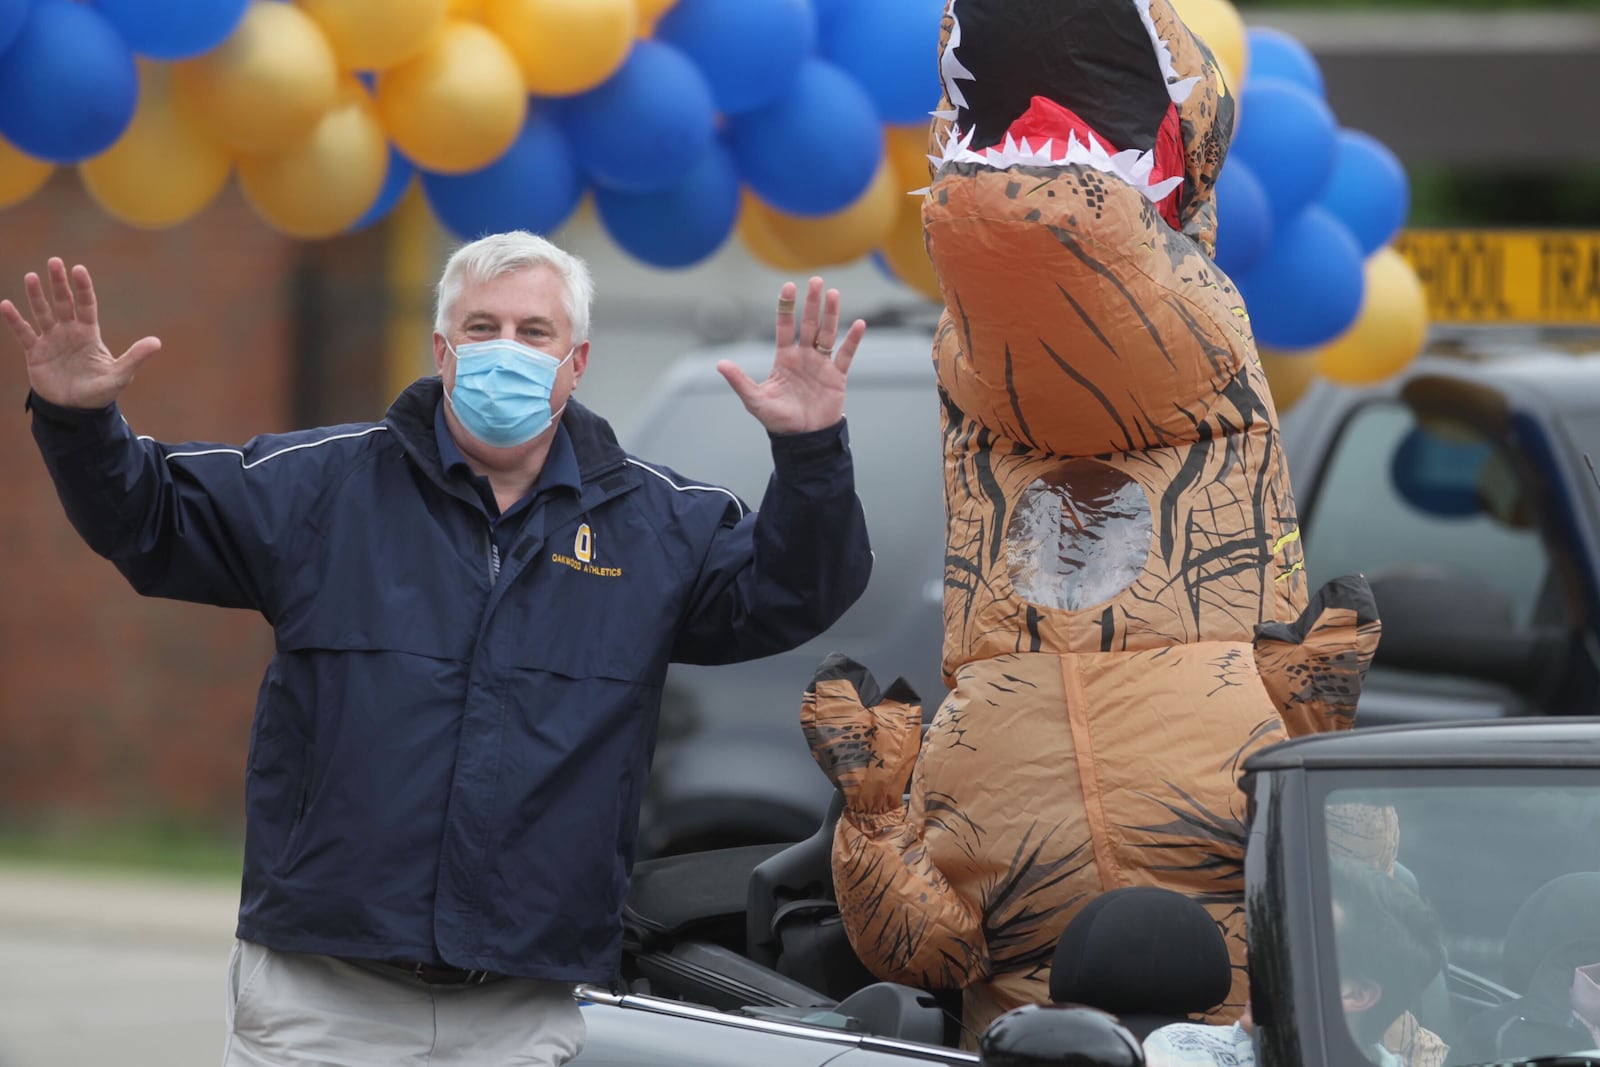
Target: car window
<point>1396,497</point>
<point>1500,881</point>
<point>894,441</point>
<point>1582,430</point>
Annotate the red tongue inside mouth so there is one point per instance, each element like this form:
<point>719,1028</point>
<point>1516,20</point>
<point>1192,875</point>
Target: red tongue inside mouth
<point>1046,120</point>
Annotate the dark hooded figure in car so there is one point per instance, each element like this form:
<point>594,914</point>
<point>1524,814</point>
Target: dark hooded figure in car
<point>1126,610</point>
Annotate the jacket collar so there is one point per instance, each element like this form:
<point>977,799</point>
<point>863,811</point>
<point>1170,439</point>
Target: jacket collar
<point>410,419</point>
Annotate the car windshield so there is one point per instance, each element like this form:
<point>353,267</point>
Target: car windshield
<point>894,441</point>
<point>1464,914</point>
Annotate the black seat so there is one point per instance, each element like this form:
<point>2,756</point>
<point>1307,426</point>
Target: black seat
<point>1563,909</point>
<point>1148,956</point>
<point>1556,930</point>
<point>792,921</point>
<point>683,933</point>
<point>694,895</point>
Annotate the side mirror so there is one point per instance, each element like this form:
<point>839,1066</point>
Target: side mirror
<point>1058,1035</point>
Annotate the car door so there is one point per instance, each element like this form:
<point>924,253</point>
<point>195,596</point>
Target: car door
<point>1441,514</point>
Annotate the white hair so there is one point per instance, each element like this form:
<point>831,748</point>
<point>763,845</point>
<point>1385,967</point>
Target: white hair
<point>504,253</point>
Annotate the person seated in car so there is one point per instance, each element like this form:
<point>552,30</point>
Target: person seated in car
<point>1370,833</point>
<point>1388,947</point>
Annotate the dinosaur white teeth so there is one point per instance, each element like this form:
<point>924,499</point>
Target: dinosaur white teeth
<point>1132,166</point>
<point>1178,89</point>
<point>951,68</point>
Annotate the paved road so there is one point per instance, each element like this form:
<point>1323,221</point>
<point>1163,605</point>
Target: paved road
<point>98,969</point>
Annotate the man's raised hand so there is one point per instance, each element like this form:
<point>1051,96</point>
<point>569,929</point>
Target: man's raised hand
<point>68,362</point>
<point>805,388</point>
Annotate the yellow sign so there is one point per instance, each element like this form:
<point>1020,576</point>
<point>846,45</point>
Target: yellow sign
<point>1548,277</point>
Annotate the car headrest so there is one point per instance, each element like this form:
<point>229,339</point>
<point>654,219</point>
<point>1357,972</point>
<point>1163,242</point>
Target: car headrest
<point>1142,951</point>
<point>1038,1034</point>
<point>1563,909</point>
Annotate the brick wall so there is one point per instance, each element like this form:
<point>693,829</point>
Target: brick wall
<point>113,705</point>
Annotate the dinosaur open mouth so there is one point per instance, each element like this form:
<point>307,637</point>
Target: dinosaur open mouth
<point>1053,83</point>
<point>1157,174</point>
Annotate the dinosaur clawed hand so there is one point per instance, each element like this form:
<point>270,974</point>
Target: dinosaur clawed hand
<point>864,739</point>
<point>1313,668</point>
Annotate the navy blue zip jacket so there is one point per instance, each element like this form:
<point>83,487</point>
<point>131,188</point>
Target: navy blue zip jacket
<point>445,765</point>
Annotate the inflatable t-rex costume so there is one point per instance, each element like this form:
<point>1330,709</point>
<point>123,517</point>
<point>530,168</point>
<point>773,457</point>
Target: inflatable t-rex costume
<point>1125,603</point>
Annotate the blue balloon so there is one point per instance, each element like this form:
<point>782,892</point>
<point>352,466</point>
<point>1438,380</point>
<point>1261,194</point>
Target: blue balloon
<point>1437,476</point>
<point>646,126</point>
<point>396,180</point>
<point>682,224</point>
<point>535,186</point>
<point>749,50</point>
<point>1244,218</point>
<point>1276,54</point>
<point>891,47</point>
<point>68,84</point>
<point>816,149</point>
<point>1289,138</point>
<point>1307,289</point>
<point>826,10</point>
<point>173,29</point>
<point>1369,191</point>
<point>13,13</point>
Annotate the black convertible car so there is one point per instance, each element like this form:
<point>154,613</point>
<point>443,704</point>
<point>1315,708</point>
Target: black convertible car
<point>736,957</point>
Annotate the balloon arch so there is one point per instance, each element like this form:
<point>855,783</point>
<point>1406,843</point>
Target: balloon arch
<point>797,125</point>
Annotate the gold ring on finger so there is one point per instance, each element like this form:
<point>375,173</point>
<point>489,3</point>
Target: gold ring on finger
<point>826,350</point>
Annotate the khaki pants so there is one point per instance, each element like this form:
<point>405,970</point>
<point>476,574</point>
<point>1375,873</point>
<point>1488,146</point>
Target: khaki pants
<point>309,1011</point>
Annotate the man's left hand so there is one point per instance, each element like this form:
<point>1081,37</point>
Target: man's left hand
<point>805,388</point>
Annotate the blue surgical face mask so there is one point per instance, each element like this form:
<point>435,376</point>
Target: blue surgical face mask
<point>502,390</point>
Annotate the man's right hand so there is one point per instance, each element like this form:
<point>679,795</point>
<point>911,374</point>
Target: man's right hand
<point>68,362</point>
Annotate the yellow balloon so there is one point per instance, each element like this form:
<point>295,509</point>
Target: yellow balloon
<point>650,12</point>
<point>1389,332</point>
<point>846,235</point>
<point>20,175</point>
<point>1217,23</point>
<point>376,34</point>
<point>321,184</point>
<point>755,233</point>
<point>908,153</point>
<point>653,9</point>
<point>906,252</point>
<point>1289,374</point>
<point>458,104</point>
<point>264,87</point>
<point>162,171</point>
<point>564,46</point>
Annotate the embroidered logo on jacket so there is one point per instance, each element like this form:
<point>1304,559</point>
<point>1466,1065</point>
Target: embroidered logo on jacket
<point>582,558</point>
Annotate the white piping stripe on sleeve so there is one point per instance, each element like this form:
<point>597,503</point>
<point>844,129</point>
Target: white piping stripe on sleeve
<point>690,488</point>
<point>271,455</point>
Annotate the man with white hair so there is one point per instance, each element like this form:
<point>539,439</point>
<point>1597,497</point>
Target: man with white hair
<point>474,603</point>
